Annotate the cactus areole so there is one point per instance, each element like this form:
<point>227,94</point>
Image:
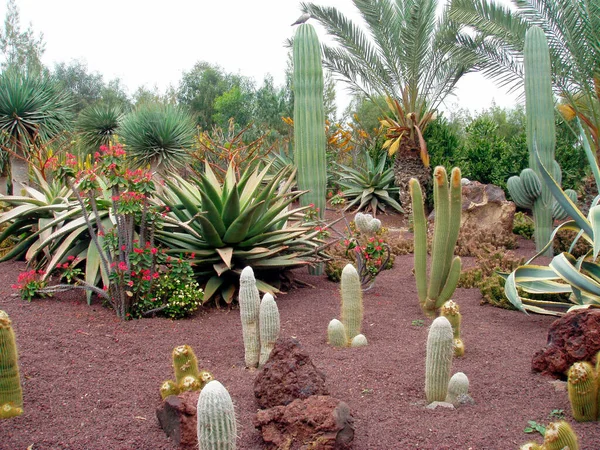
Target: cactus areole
<point>309,118</point>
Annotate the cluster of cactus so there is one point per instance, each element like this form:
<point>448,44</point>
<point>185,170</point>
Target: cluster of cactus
<point>217,428</point>
<point>11,395</point>
<point>346,333</point>
<point>260,321</point>
<point>309,122</point>
<point>438,365</point>
<point>187,375</point>
<point>527,190</point>
<point>451,311</point>
<point>584,390</point>
<point>558,436</point>
<point>365,223</point>
<point>445,267</point>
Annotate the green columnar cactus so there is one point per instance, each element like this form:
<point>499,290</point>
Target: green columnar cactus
<point>352,306</point>
<point>268,326</point>
<point>336,334</point>
<point>438,362</point>
<point>598,383</point>
<point>451,311</point>
<point>445,269</point>
<point>560,435</point>
<point>11,395</point>
<point>217,428</point>
<point>527,190</point>
<point>583,392</point>
<point>309,122</point>
<point>458,387</point>
<point>185,363</point>
<point>249,300</point>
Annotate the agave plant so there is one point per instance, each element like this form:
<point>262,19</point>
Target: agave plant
<point>159,135</point>
<point>98,124</point>
<point>579,277</point>
<point>227,226</point>
<point>369,187</point>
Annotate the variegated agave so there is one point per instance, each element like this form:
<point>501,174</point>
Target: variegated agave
<point>227,226</point>
<point>579,277</point>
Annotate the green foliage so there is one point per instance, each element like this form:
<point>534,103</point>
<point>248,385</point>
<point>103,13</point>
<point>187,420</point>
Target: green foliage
<point>30,285</point>
<point>370,187</point>
<point>85,88</point>
<point>158,134</point>
<point>523,225</point>
<point>534,427</point>
<point>98,125</point>
<point>11,394</point>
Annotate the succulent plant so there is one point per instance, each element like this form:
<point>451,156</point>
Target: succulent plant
<point>451,311</point>
<point>445,269</point>
<point>583,391</point>
<point>249,300</point>
<point>458,387</point>
<point>11,394</point>
<point>352,305</point>
<point>560,436</point>
<point>359,341</point>
<point>217,428</point>
<point>187,375</point>
<point>336,334</point>
<point>438,363</point>
<point>269,327</point>
<point>231,225</point>
<point>169,387</point>
<point>531,446</point>
<point>365,223</point>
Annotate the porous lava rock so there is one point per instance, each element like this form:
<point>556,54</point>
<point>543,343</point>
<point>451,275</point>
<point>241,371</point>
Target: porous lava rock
<point>289,374</point>
<point>573,337</point>
<point>319,422</point>
<point>484,207</point>
<point>177,417</point>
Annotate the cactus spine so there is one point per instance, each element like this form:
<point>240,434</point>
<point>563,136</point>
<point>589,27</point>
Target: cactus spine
<point>445,269</point>
<point>309,121</point>
<point>336,334</point>
<point>527,190</point>
<point>451,311</point>
<point>217,428</point>
<point>438,363</point>
<point>11,395</point>
<point>583,392</point>
<point>269,327</point>
<point>560,435</point>
<point>249,300</point>
<point>352,306</point>
<point>458,387</point>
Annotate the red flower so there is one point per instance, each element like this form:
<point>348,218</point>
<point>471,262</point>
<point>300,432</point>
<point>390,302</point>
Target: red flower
<point>123,265</point>
<point>70,258</point>
<point>154,250</point>
<point>130,284</point>
<point>138,250</point>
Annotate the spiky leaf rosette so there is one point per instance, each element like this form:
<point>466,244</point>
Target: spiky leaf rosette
<point>217,428</point>
<point>239,223</point>
<point>11,395</point>
<point>97,125</point>
<point>157,134</point>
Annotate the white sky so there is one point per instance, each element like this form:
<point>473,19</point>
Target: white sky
<point>152,42</point>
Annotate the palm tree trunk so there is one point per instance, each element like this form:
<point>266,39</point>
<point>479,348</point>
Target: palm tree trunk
<point>19,174</point>
<point>409,165</point>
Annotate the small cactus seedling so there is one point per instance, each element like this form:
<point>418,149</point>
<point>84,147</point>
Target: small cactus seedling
<point>359,341</point>
<point>205,377</point>
<point>458,387</point>
<point>451,311</point>
<point>336,334</point>
<point>11,395</point>
<point>268,327</point>
<point>168,387</point>
<point>438,362</point>
<point>217,428</point>
<point>366,224</point>
<point>583,392</point>
<point>560,435</point>
<point>249,300</point>
<point>352,307</point>
<point>185,363</point>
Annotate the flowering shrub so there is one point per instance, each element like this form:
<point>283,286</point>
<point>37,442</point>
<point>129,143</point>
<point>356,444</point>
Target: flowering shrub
<point>372,252</point>
<point>29,284</point>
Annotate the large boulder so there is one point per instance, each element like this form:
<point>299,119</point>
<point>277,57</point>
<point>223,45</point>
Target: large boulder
<point>484,207</point>
<point>574,337</point>
<point>177,417</point>
<point>319,422</point>
<point>289,374</point>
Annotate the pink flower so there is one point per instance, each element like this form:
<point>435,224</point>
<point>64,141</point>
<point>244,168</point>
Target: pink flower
<point>154,250</point>
<point>130,284</point>
<point>70,258</point>
<point>123,265</point>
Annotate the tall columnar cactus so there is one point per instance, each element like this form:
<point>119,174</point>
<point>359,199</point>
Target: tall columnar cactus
<point>451,311</point>
<point>268,327</point>
<point>583,392</point>
<point>445,268</point>
<point>458,387</point>
<point>249,300</point>
<point>438,363</point>
<point>527,190</point>
<point>217,428</point>
<point>560,435</point>
<point>352,305</point>
<point>11,395</point>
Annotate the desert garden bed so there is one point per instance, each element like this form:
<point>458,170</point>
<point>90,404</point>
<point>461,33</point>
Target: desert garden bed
<point>91,381</point>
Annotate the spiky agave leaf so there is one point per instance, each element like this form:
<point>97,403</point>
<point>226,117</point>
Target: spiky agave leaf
<point>97,125</point>
<point>237,224</point>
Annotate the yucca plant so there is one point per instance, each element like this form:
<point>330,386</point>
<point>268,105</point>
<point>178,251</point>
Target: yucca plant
<point>369,187</point>
<point>579,277</point>
<point>227,226</point>
<point>159,135</point>
<point>97,125</point>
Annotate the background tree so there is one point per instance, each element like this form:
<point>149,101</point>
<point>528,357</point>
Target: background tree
<point>85,88</point>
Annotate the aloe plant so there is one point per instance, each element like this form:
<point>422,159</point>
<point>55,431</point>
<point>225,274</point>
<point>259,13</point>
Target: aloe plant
<point>370,187</point>
<point>241,222</point>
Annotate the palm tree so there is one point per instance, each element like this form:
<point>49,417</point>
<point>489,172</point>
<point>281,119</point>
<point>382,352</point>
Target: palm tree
<point>493,36</point>
<point>33,112</point>
<point>159,135</point>
<point>98,124</point>
<point>402,56</point>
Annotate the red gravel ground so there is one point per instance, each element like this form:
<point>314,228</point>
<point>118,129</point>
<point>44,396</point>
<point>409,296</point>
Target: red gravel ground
<point>91,381</point>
